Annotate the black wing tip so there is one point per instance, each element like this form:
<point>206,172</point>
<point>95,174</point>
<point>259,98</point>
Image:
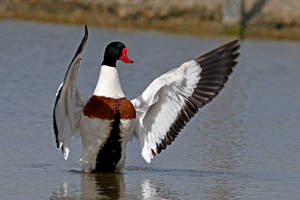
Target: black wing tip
<point>235,42</point>
<point>235,55</point>
<point>194,103</point>
<point>86,32</point>
<point>83,41</point>
<point>54,117</point>
<point>232,46</point>
<point>85,37</point>
<point>82,44</point>
<point>55,132</point>
<point>55,129</point>
<point>217,65</point>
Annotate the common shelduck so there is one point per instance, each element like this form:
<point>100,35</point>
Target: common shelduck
<point>108,119</point>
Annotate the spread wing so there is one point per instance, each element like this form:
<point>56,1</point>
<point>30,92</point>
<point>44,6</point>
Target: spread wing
<point>172,99</point>
<point>68,103</point>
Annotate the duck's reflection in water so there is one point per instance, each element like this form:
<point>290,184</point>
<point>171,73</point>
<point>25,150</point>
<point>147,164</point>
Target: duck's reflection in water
<point>151,191</point>
<point>104,185</point>
<point>156,190</point>
<point>148,191</point>
<point>111,186</point>
<point>93,186</point>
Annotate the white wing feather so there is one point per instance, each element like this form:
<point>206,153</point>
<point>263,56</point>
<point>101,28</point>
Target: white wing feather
<point>154,121</point>
<point>69,103</point>
<point>172,99</point>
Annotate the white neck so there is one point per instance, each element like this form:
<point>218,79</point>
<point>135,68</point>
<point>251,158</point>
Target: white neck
<point>108,83</point>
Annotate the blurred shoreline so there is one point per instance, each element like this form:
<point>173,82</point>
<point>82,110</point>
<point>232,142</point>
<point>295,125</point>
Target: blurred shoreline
<point>277,20</point>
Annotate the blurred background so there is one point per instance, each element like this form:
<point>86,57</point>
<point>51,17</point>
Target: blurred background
<point>254,18</point>
<point>245,144</point>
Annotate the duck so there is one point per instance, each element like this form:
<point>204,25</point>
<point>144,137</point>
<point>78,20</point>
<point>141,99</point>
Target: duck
<point>107,120</point>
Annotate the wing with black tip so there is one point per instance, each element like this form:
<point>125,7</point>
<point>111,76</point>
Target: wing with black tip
<point>172,99</point>
<point>69,103</point>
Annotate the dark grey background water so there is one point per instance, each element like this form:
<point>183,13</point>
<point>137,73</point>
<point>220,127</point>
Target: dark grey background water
<point>243,145</point>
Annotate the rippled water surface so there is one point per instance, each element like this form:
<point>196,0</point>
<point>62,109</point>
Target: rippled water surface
<point>243,145</point>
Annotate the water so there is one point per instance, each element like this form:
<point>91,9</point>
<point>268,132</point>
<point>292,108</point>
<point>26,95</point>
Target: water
<point>243,145</point>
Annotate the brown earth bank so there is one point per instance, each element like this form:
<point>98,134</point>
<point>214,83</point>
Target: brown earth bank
<point>277,19</point>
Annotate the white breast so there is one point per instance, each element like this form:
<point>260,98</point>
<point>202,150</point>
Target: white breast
<point>108,83</point>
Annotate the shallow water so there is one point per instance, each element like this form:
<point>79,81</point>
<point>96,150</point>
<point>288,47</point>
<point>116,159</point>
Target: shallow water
<point>243,145</point>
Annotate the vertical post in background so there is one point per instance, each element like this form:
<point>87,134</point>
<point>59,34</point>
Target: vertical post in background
<point>232,12</point>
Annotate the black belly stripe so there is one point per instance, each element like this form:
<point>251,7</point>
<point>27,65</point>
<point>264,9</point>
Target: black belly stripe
<point>110,152</point>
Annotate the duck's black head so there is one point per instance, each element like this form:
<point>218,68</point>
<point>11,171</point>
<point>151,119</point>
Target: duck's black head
<point>113,52</point>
